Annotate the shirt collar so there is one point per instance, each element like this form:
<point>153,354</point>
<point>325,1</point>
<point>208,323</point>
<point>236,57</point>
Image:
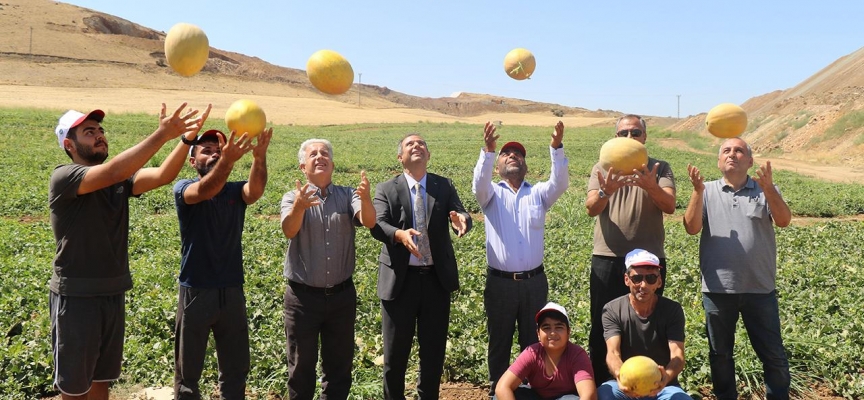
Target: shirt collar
<point>411,181</point>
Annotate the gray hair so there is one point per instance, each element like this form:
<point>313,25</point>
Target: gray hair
<point>301,155</point>
<point>399,147</point>
<point>749,149</point>
<point>631,116</point>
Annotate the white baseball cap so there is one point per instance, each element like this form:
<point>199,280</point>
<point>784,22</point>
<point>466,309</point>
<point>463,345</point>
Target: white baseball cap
<point>550,306</point>
<point>72,119</point>
<point>640,258</point>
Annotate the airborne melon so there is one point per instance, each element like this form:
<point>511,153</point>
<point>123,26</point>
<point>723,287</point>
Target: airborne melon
<point>726,120</point>
<point>623,155</point>
<point>519,64</point>
<point>245,116</point>
<point>186,49</point>
<point>640,374</point>
<point>329,72</point>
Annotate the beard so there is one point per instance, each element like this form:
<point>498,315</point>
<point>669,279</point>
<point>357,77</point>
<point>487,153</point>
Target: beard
<point>510,170</point>
<point>205,167</point>
<point>89,154</point>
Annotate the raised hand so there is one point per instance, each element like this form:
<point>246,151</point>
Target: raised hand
<point>305,197</point>
<point>459,223</point>
<point>232,150</point>
<point>174,125</point>
<point>259,150</point>
<point>696,178</point>
<point>764,177</point>
<point>643,177</point>
<point>489,137</point>
<point>362,189</point>
<point>611,182</point>
<point>557,135</point>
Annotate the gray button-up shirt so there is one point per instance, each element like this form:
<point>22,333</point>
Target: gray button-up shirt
<point>322,254</point>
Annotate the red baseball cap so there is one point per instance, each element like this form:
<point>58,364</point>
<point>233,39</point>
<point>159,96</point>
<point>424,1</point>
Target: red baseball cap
<point>513,146</point>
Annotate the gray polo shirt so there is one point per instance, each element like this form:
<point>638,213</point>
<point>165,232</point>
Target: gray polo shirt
<point>737,250</point>
<point>322,252</point>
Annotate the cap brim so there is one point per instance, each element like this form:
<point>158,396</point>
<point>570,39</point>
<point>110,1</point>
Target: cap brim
<point>96,115</point>
<point>514,146</point>
<point>645,264</point>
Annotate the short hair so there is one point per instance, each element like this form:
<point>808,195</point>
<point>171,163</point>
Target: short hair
<point>72,135</point>
<point>407,135</point>
<point>631,116</point>
<point>301,155</point>
<point>749,149</point>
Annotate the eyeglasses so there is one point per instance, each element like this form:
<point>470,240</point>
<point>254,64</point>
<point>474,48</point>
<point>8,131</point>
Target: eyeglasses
<point>650,278</point>
<point>631,132</point>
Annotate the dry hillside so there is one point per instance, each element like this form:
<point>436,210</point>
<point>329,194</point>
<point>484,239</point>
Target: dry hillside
<point>819,120</point>
<point>50,50</point>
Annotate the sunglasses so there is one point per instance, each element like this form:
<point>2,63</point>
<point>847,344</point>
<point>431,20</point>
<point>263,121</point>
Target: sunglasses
<point>650,278</point>
<point>631,132</point>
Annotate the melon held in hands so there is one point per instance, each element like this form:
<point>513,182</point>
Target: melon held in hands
<point>640,374</point>
<point>186,49</point>
<point>623,155</point>
<point>329,72</point>
<point>244,116</point>
<point>726,120</point>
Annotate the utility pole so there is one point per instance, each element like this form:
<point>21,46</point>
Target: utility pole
<point>359,87</point>
<point>31,42</point>
<point>679,106</point>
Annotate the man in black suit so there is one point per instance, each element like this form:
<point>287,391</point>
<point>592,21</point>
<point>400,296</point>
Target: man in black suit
<point>417,267</point>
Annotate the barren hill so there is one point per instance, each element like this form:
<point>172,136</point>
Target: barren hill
<point>820,119</point>
<point>51,50</point>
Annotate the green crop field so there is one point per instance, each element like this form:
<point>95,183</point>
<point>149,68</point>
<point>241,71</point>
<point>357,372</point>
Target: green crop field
<point>821,268</point>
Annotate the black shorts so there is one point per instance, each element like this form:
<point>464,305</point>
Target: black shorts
<point>87,339</point>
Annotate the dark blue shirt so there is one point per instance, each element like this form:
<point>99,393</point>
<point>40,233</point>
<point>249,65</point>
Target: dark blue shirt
<point>210,235</point>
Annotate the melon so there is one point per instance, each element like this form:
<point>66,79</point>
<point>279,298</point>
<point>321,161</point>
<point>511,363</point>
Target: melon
<point>623,155</point>
<point>726,120</point>
<point>186,49</point>
<point>245,116</point>
<point>640,374</point>
<point>329,72</point>
<point>519,64</point>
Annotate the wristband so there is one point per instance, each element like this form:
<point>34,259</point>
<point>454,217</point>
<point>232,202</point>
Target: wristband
<point>187,141</point>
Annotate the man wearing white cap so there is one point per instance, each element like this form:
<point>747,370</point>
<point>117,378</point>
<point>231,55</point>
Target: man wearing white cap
<point>554,368</point>
<point>212,212</point>
<point>643,323</point>
<point>515,217</point>
<point>89,203</point>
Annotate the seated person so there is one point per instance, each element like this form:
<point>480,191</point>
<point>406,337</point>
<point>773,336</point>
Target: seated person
<point>642,323</point>
<point>554,368</point>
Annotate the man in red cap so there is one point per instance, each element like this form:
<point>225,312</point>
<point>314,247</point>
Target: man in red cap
<point>554,368</point>
<point>89,203</point>
<point>211,212</point>
<point>515,215</point>
<point>643,323</point>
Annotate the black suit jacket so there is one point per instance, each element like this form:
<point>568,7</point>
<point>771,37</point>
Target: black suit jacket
<point>393,211</point>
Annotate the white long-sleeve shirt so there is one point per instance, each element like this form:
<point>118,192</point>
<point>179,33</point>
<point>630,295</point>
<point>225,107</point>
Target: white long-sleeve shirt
<point>515,221</point>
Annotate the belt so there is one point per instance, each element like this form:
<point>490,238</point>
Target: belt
<point>516,276</point>
<point>421,270</point>
<point>327,291</point>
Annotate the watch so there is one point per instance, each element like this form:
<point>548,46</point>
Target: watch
<point>601,193</point>
<point>187,141</point>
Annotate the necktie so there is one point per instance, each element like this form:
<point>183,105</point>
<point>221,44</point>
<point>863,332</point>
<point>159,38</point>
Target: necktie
<point>420,224</point>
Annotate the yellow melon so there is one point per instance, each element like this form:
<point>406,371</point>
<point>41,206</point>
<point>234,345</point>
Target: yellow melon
<point>640,374</point>
<point>726,120</point>
<point>329,72</point>
<point>186,49</point>
<point>623,155</point>
<point>519,64</point>
<point>245,116</point>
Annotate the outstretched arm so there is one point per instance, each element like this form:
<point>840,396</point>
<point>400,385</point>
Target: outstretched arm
<point>366,215</point>
<point>482,182</point>
<point>780,211</point>
<point>211,184</point>
<point>254,187</point>
<point>693,214</point>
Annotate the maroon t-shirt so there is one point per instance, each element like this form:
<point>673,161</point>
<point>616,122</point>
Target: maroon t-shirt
<point>573,367</point>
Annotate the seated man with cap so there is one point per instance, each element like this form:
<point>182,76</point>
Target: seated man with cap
<point>515,216</point>
<point>554,368</point>
<point>642,323</point>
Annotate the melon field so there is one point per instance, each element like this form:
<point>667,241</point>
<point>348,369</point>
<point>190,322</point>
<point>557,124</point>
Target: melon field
<point>820,277</point>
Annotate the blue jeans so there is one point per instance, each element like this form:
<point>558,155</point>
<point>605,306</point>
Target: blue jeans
<point>609,391</point>
<point>525,393</point>
<point>761,317</point>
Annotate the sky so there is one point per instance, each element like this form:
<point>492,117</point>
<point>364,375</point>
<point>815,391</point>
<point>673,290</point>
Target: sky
<point>657,58</point>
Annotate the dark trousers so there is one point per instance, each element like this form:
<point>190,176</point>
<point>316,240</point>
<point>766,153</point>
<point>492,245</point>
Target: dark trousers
<point>308,316</point>
<point>198,312</point>
<point>761,316</point>
<point>509,303</point>
<point>424,304</point>
<point>607,284</point>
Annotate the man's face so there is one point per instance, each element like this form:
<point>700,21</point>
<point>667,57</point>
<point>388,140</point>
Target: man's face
<point>734,157</point>
<point>553,333</point>
<point>206,155</point>
<point>630,128</point>
<point>639,279</point>
<point>511,164</point>
<point>414,151</point>
<point>90,143</point>
<point>319,162</point>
